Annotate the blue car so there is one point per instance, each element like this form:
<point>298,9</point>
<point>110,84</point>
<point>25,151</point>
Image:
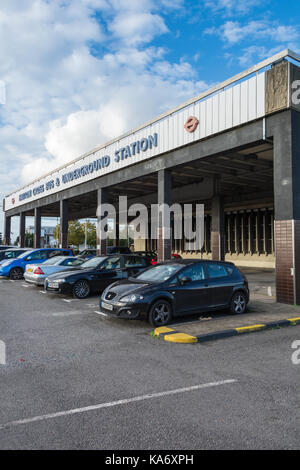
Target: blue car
<point>14,269</point>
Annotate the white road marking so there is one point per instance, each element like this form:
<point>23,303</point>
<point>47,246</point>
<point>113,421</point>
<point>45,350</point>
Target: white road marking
<point>101,313</point>
<point>115,403</point>
<point>67,314</point>
<point>11,280</point>
<point>67,300</point>
<point>42,292</point>
<point>25,285</point>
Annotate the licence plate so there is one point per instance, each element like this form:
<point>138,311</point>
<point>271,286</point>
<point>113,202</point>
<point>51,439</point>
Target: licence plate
<point>29,270</point>
<point>53,285</point>
<point>107,306</point>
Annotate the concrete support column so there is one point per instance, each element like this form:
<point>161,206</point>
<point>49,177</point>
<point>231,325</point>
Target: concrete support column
<point>102,198</point>
<point>285,129</point>
<point>37,228</point>
<point>164,197</point>
<point>64,223</point>
<point>218,229</point>
<point>22,230</point>
<point>7,229</point>
<point>117,230</point>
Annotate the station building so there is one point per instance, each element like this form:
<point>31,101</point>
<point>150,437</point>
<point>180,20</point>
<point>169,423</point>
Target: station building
<point>234,148</point>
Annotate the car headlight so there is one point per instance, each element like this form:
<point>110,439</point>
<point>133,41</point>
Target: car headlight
<point>131,298</point>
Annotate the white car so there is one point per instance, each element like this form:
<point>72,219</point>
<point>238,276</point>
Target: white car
<point>37,273</point>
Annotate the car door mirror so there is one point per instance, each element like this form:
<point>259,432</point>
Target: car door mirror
<point>184,280</point>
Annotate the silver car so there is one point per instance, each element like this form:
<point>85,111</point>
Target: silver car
<point>37,273</point>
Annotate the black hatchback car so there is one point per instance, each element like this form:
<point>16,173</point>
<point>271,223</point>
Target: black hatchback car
<point>176,288</point>
<point>95,275</point>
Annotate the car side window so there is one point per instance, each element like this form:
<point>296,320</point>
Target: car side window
<point>111,263</point>
<point>52,253</point>
<point>217,270</point>
<point>133,261</point>
<point>37,255</point>
<point>195,272</point>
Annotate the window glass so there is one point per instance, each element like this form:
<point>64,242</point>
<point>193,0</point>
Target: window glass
<point>9,254</point>
<point>195,272</point>
<point>52,261</point>
<point>52,253</point>
<point>132,261</point>
<point>111,263</point>
<point>159,273</point>
<point>93,262</point>
<point>72,262</point>
<point>37,255</point>
<point>216,270</point>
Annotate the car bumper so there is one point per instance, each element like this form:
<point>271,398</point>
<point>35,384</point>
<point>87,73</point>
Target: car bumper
<point>121,310</point>
<point>36,279</point>
<point>4,273</point>
<point>63,288</point>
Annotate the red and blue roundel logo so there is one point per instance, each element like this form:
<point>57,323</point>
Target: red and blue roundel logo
<point>191,124</point>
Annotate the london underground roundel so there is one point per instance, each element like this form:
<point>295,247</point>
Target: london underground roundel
<point>191,124</point>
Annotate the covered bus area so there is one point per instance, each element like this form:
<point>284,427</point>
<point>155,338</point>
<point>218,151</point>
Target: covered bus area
<point>241,160</point>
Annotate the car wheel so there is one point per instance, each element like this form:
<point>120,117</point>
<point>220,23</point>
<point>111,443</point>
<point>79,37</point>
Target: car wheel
<point>238,303</point>
<point>160,313</point>
<point>81,289</point>
<point>16,274</point>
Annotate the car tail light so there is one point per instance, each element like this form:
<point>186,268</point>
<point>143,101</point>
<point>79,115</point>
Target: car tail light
<point>38,270</point>
<point>153,261</point>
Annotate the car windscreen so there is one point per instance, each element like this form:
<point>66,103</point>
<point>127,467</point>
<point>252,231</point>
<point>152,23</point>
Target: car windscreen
<point>87,252</point>
<point>159,272</point>
<point>25,254</point>
<point>53,261</point>
<point>93,262</point>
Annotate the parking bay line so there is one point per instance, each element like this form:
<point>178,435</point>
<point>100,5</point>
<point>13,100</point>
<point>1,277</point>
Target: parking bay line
<point>115,403</point>
<point>101,313</point>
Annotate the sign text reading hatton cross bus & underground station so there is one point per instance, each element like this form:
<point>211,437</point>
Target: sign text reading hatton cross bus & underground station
<point>123,153</point>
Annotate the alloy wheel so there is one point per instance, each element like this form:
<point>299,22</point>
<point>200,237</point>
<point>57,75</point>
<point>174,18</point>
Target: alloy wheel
<point>81,289</point>
<point>239,304</point>
<point>161,314</point>
<point>16,274</point>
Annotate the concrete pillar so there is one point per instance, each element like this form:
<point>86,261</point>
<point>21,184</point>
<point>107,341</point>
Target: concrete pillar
<point>7,229</point>
<point>285,129</point>
<point>117,231</point>
<point>102,198</point>
<point>22,230</point>
<point>164,197</point>
<point>37,228</point>
<point>64,223</point>
<point>218,229</point>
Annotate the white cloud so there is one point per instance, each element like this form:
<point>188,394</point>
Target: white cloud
<point>137,28</point>
<point>231,7</point>
<point>78,73</point>
<point>233,32</point>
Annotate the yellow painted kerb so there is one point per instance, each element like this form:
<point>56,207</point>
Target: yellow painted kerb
<point>296,320</point>
<point>181,338</point>
<point>162,329</point>
<point>244,329</point>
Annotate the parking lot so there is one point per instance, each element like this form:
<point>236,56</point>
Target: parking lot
<point>75,379</point>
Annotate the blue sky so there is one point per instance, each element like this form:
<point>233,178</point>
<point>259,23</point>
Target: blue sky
<point>73,67</point>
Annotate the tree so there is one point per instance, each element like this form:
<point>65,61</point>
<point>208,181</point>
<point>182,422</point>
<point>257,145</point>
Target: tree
<point>91,234</point>
<point>29,240</point>
<point>75,233</point>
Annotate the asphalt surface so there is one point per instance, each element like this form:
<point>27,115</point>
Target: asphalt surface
<point>62,356</point>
